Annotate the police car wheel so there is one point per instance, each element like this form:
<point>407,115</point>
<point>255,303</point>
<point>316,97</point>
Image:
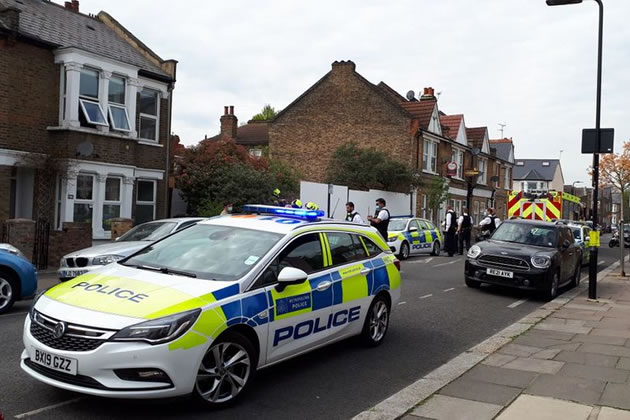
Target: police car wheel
<point>376,322</point>
<point>8,292</point>
<point>404,251</point>
<point>436,248</point>
<point>226,370</point>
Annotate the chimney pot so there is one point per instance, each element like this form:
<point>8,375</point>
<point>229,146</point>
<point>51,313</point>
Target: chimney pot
<point>426,91</point>
<point>231,109</point>
<point>225,110</point>
<point>229,124</point>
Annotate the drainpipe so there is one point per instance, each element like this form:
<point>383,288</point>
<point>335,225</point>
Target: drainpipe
<point>167,198</point>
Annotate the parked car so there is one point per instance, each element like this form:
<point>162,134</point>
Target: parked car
<point>409,236</point>
<point>18,277</point>
<point>526,254</point>
<point>581,234</point>
<point>88,259</point>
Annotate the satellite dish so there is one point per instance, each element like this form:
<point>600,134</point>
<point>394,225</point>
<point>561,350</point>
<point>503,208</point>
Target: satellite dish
<point>475,151</point>
<point>411,96</point>
<point>85,149</point>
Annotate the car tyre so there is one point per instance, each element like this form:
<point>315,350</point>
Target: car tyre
<point>436,248</point>
<point>577,276</point>
<point>552,293</point>
<point>472,283</point>
<point>8,292</point>
<point>226,370</point>
<point>404,251</point>
<point>376,322</point>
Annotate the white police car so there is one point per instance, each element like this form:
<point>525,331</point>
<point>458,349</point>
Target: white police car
<point>201,310</point>
<point>410,236</point>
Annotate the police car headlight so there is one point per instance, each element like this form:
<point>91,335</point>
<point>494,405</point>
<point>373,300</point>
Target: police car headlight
<point>392,239</point>
<point>160,330</point>
<point>474,252</point>
<point>541,261</point>
<point>106,259</point>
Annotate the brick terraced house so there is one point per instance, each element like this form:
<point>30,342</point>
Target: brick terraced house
<point>83,90</point>
<point>343,106</point>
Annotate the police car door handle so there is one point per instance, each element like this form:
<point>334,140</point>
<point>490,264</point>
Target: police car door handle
<point>365,271</point>
<point>323,286</point>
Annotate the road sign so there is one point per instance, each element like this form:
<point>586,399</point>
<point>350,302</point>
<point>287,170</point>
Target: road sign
<point>589,140</point>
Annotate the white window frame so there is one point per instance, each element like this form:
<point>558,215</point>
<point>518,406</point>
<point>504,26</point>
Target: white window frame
<point>483,174</point>
<point>497,183</point>
<point>112,202</point>
<point>507,178</point>
<point>78,200</point>
<point>429,160</point>
<point>457,156</point>
<point>156,117</point>
<point>122,105</point>
<point>146,203</point>
<point>92,100</point>
<point>87,115</point>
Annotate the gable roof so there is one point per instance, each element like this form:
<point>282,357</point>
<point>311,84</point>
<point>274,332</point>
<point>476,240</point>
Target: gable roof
<point>53,24</point>
<point>531,168</point>
<point>476,136</point>
<point>388,90</point>
<point>254,133</point>
<point>453,122</point>
<point>504,148</point>
<point>422,110</point>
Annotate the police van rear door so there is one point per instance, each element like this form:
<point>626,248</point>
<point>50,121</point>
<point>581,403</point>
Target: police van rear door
<point>300,315</point>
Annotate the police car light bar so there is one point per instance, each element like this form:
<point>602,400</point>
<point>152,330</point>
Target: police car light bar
<point>284,211</point>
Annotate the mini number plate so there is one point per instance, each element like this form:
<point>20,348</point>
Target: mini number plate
<point>54,362</point>
<point>500,273</point>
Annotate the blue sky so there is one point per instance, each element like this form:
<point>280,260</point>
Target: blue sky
<point>514,61</point>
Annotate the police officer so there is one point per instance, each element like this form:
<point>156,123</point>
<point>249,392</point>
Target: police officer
<point>451,228</point>
<point>351,215</point>
<point>464,227</point>
<point>380,220</point>
<point>489,223</point>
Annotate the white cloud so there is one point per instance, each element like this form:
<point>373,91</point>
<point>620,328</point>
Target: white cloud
<point>517,61</point>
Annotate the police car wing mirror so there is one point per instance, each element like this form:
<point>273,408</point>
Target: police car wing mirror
<point>413,229</point>
<point>289,276</point>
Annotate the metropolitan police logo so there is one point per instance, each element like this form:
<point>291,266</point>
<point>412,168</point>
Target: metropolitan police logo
<point>59,330</point>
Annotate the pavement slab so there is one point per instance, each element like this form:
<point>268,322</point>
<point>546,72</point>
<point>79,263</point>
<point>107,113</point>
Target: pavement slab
<point>583,315</point>
<point>584,306</point>
<point>442,407</point>
<point>624,363</point>
<point>611,332</point>
<point>500,376</point>
<point>567,346</point>
<point>535,340</point>
<point>600,373</point>
<point>531,407</point>
<point>587,391</point>
<point>607,413</point>
<point>498,359</point>
<point>616,395</point>
<point>535,365</point>
<point>519,350</point>
<point>556,335</point>
<point>600,339</point>
<point>588,359</point>
<point>481,391</point>
<point>576,329</point>
<point>605,349</point>
<point>546,354</point>
<point>609,322</point>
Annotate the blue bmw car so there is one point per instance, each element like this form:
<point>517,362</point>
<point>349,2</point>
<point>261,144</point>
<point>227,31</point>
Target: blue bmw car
<point>18,277</point>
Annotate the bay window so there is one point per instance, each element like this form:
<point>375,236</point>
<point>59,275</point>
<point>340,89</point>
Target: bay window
<point>458,157</point>
<point>89,98</point>
<point>149,114</point>
<point>483,171</point>
<point>429,162</point>
<point>118,117</point>
<point>145,201</point>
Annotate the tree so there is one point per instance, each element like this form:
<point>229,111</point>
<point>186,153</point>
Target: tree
<point>437,193</point>
<point>364,169</point>
<point>268,113</point>
<point>215,173</point>
<point>614,169</point>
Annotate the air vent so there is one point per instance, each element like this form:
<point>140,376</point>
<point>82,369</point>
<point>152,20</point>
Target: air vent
<point>520,163</point>
<point>545,164</point>
<point>19,1</point>
<point>90,27</point>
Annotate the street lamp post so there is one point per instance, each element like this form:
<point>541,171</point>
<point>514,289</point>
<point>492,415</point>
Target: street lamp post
<point>592,272</point>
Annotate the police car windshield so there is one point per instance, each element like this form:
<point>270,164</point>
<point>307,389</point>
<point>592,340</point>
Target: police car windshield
<point>396,225</point>
<point>148,232</point>
<point>523,233</point>
<point>209,252</point>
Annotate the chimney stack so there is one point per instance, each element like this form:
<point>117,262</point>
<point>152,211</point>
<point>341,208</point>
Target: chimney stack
<point>229,123</point>
<point>429,93</point>
<point>72,5</point>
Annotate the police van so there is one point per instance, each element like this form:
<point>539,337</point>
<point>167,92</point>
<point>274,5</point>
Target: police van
<point>201,310</point>
<point>411,236</point>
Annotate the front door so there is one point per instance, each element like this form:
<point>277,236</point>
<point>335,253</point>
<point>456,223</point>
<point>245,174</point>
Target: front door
<point>300,313</point>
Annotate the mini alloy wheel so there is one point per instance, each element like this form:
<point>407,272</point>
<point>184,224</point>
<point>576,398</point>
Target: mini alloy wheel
<point>225,370</point>
<point>553,288</point>
<point>7,295</point>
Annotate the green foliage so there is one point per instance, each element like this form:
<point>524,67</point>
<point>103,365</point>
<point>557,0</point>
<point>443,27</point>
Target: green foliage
<point>215,173</point>
<point>363,169</point>
<point>437,193</point>
<point>268,113</point>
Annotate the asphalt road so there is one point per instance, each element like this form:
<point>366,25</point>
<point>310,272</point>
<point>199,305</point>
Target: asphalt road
<point>438,318</point>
